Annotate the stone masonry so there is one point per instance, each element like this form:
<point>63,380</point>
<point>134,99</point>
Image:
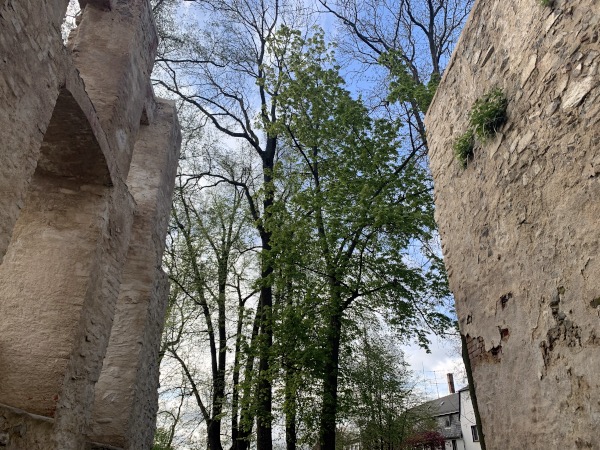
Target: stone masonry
<point>88,158</point>
<point>519,225</point>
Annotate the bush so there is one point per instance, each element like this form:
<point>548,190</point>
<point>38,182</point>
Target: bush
<point>463,148</point>
<point>488,114</point>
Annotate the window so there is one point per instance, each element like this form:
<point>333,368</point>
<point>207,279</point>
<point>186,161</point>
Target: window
<point>448,421</point>
<point>475,433</point>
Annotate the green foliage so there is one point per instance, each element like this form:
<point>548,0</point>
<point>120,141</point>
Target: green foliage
<point>356,204</point>
<point>406,86</point>
<point>355,214</point>
<point>486,117</point>
<point>549,3</point>
<point>463,147</point>
<point>345,238</point>
<point>488,114</point>
<point>378,391</point>
<point>162,437</point>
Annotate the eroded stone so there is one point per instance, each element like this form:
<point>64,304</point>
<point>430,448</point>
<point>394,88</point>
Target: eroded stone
<point>69,131</point>
<point>534,351</point>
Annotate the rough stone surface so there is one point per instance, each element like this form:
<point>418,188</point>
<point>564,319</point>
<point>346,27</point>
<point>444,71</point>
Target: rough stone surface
<point>114,51</point>
<point>519,225</point>
<point>84,201</point>
<point>21,430</point>
<point>132,356</point>
<point>31,72</point>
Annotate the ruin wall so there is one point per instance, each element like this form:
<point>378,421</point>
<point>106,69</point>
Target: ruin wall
<point>88,158</point>
<point>519,225</point>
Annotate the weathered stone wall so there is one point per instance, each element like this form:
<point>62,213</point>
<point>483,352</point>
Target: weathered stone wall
<point>127,391</point>
<point>84,200</point>
<point>519,225</point>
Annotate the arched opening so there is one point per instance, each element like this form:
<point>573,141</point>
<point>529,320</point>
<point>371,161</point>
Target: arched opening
<point>49,266</point>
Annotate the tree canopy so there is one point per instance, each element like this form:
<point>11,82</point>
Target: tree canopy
<point>303,219</point>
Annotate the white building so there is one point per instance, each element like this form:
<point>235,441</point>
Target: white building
<point>455,420</point>
<point>468,425</point>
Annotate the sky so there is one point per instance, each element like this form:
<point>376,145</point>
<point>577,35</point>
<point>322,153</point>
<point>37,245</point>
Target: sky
<point>69,22</point>
<point>430,369</point>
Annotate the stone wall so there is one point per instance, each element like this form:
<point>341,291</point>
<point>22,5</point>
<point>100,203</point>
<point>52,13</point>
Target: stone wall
<point>519,225</point>
<point>87,164</point>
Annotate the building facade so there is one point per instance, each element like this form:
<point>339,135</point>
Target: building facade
<point>468,422</point>
<point>519,224</point>
<point>454,421</point>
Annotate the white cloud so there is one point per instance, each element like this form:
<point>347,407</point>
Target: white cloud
<point>430,369</point>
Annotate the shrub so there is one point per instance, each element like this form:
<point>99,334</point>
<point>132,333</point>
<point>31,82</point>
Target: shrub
<point>463,147</point>
<point>488,114</point>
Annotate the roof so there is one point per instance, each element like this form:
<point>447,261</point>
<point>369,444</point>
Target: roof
<point>441,406</point>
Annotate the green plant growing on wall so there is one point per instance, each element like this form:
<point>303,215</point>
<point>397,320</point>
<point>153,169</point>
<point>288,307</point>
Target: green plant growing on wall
<point>486,117</point>
<point>463,147</point>
<point>549,3</point>
<point>488,114</point>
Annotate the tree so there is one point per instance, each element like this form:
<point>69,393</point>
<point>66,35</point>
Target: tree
<point>412,40</point>
<point>341,206</point>
<point>380,391</point>
<point>208,267</point>
<point>219,71</point>
<point>358,206</point>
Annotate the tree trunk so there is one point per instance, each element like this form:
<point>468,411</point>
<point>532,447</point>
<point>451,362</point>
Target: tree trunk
<point>264,440</point>
<point>244,430</point>
<point>214,427</point>
<point>330,381</point>
<point>264,435</point>
<point>214,435</point>
<point>471,381</point>
<point>290,411</point>
<point>235,397</point>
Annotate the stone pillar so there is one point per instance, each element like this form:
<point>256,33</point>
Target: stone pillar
<point>60,277</point>
<point>114,50</point>
<point>66,215</point>
<point>519,225</point>
<point>126,394</point>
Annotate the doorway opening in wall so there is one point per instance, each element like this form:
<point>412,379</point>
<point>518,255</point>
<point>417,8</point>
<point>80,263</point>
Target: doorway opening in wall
<point>49,266</point>
<point>70,21</point>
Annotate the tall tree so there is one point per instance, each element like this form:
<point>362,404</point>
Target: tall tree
<point>358,208</point>
<point>206,263</point>
<point>219,70</point>
<point>340,205</point>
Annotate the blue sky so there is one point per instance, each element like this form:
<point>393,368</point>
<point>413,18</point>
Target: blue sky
<point>444,357</point>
